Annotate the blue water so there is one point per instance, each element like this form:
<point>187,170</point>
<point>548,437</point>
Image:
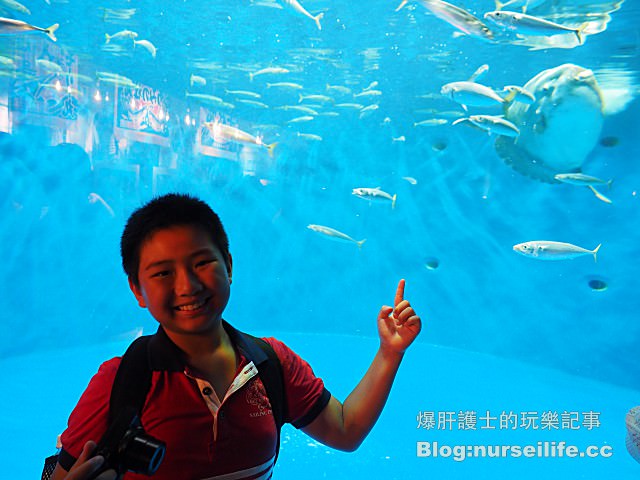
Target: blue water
<point>502,332</point>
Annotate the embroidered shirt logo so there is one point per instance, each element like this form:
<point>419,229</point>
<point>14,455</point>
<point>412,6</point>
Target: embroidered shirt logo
<point>257,397</point>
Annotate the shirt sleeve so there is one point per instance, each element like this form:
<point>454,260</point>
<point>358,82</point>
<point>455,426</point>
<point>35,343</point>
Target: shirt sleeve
<point>88,420</point>
<point>305,393</point>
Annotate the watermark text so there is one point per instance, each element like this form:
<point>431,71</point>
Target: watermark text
<point>544,449</point>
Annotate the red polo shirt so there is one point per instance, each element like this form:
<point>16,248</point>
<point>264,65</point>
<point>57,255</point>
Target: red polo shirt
<point>206,436</point>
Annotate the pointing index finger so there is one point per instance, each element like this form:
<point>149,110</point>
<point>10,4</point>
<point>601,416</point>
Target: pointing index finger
<point>399,293</point>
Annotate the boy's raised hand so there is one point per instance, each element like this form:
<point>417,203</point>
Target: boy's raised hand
<point>398,326</point>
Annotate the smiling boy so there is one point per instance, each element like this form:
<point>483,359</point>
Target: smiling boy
<point>207,401</point>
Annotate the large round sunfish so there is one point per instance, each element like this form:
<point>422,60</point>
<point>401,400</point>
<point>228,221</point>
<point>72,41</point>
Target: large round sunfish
<point>559,129</point>
<point>633,433</point>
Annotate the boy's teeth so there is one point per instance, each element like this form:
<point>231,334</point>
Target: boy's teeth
<point>191,306</point>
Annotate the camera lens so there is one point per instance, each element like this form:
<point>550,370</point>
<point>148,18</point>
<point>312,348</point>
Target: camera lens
<point>143,454</point>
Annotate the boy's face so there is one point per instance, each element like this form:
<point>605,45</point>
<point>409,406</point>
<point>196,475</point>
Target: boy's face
<point>183,280</point>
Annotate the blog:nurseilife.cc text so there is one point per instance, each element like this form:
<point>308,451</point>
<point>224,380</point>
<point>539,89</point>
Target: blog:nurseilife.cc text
<point>545,449</point>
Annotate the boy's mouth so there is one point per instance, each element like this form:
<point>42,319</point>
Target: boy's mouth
<point>190,307</point>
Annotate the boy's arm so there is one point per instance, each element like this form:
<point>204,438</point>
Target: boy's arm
<point>345,426</point>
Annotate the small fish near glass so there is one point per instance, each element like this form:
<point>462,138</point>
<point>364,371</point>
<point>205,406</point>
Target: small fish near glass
<point>333,234</point>
<point>375,195</point>
<point>549,250</point>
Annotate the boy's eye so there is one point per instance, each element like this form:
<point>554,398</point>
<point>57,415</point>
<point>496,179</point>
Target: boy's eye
<point>204,262</point>
<point>160,274</point>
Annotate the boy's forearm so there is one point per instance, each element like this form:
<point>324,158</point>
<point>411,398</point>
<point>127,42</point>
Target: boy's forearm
<point>345,425</point>
<point>362,408</point>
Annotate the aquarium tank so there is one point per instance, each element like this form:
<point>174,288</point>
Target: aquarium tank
<point>487,153</point>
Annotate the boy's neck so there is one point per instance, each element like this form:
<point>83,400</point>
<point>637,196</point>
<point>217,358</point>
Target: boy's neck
<point>202,345</point>
<point>211,357</point>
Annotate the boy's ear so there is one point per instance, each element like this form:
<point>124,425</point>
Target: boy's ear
<point>137,293</point>
<point>230,268</point>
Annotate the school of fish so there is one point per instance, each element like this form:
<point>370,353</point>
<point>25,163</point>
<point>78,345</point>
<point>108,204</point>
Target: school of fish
<point>511,22</point>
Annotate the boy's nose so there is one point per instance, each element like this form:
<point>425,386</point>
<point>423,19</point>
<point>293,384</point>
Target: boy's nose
<point>187,282</point>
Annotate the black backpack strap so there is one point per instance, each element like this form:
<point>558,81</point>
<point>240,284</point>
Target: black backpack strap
<point>133,379</point>
<point>272,377</point>
<point>273,380</point>
<point>128,393</point>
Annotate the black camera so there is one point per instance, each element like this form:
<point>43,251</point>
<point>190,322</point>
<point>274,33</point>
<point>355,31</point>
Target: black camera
<point>126,447</point>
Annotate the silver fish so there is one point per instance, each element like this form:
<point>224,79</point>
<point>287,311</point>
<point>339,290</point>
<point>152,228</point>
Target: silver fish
<point>366,111</point>
<point>6,61</point>
<point>108,77</point>
<point>431,122</point>
<point>94,197</point>
<point>268,70</point>
<point>208,99</point>
<point>548,250</point>
<point>524,24</point>
<point>355,106</point>
<point>459,18</point>
<point>314,98</point>
<point>294,86</point>
<point>599,195</point>
<point>49,66</point>
<point>304,118</point>
<point>15,6</point>
<point>220,131</point>
<point>335,234</point>
<point>252,103</point>
<point>310,136</point>
<point>480,71</point>
<point>298,108</point>
<point>123,34</point>
<point>581,179</point>
<point>375,194</point>
<point>301,10</point>
<point>492,124</point>
<point>368,93</point>
<point>372,85</point>
<point>243,93</point>
<point>197,80</point>
<point>471,94</point>
<point>115,15</point>
<point>339,89</point>
<point>10,26</point>
<point>150,47</point>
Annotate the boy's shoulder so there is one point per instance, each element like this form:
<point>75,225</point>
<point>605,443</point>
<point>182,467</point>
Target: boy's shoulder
<point>277,345</point>
<point>285,354</point>
<point>107,371</point>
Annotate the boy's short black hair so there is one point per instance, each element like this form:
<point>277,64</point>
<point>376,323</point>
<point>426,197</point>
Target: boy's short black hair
<point>164,212</point>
